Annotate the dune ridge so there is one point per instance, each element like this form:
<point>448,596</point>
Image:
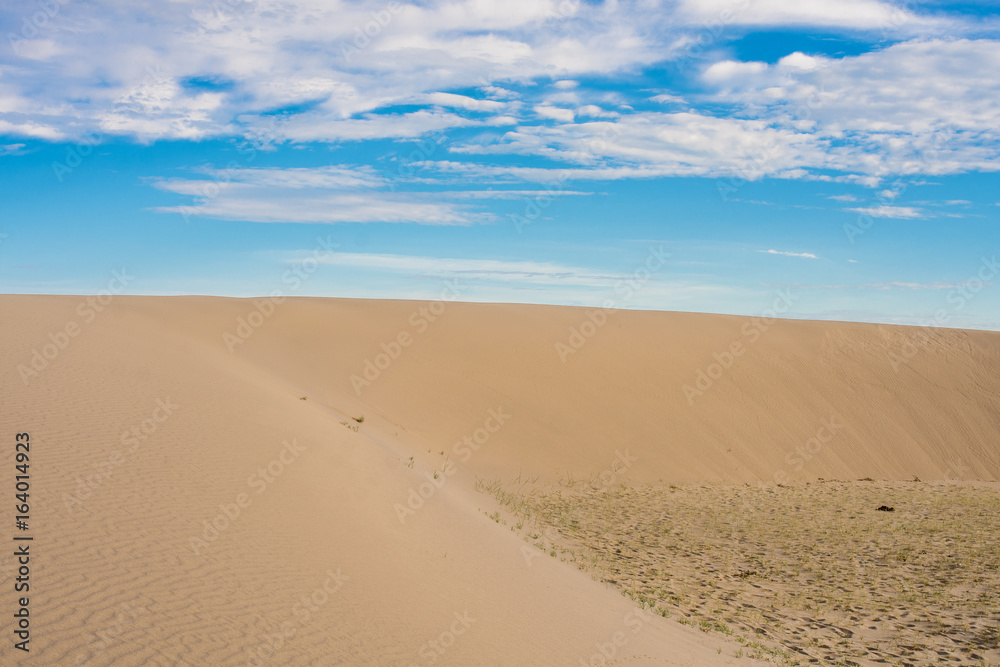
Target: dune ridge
<point>341,440</point>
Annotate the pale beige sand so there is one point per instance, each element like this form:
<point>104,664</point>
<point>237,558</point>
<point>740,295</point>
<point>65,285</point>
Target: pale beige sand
<point>116,579</point>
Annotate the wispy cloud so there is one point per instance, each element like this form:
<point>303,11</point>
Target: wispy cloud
<point>331,194</point>
<point>471,269</point>
<point>884,211</point>
<point>806,255</point>
<point>12,149</point>
<point>883,286</point>
<point>863,14</point>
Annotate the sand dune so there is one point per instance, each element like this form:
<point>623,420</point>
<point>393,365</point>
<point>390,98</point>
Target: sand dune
<point>205,490</point>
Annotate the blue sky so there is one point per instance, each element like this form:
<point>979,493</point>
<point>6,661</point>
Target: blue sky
<point>843,151</point>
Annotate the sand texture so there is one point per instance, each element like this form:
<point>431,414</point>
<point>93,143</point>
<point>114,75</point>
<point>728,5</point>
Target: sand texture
<point>313,487</point>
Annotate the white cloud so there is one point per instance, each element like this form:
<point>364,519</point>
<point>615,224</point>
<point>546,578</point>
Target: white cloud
<point>799,60</point>
<point>896,212</point>
<point>511,194</point>
<point>331,177</point>
<point>500,93</point>
<point>341,59</point>
<point>30,129</point>
<point>334,71</point>
<point>316,126</point>
<point>555,113</point>
<point>12,149</point>
<point>668,98</point>
<point>544,175</point>
<point>332,194</point>
<point>843,197</point>
<point>892,112</point>
<point>325,195</point>
<point>923,106</point>
<point>594,111</point>
<point>869,14</point>
<point>882,287</point>
<point>899,284</point>
<point>662,144</point>
<point>464,102</point>
<point>474,269</point>
<point>248,205</point>
<point>806,255</point>
<point>38,49</point>
<point>728,70</point>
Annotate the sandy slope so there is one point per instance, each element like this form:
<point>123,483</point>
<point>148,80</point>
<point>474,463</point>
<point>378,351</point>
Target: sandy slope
<point>119,576</point>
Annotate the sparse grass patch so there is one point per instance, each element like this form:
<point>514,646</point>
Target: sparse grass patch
<point>792,571</point>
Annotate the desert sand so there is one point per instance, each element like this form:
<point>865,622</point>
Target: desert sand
<point>234,481</point>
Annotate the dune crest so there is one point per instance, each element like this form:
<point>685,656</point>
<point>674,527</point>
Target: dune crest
<point>298,486</point>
